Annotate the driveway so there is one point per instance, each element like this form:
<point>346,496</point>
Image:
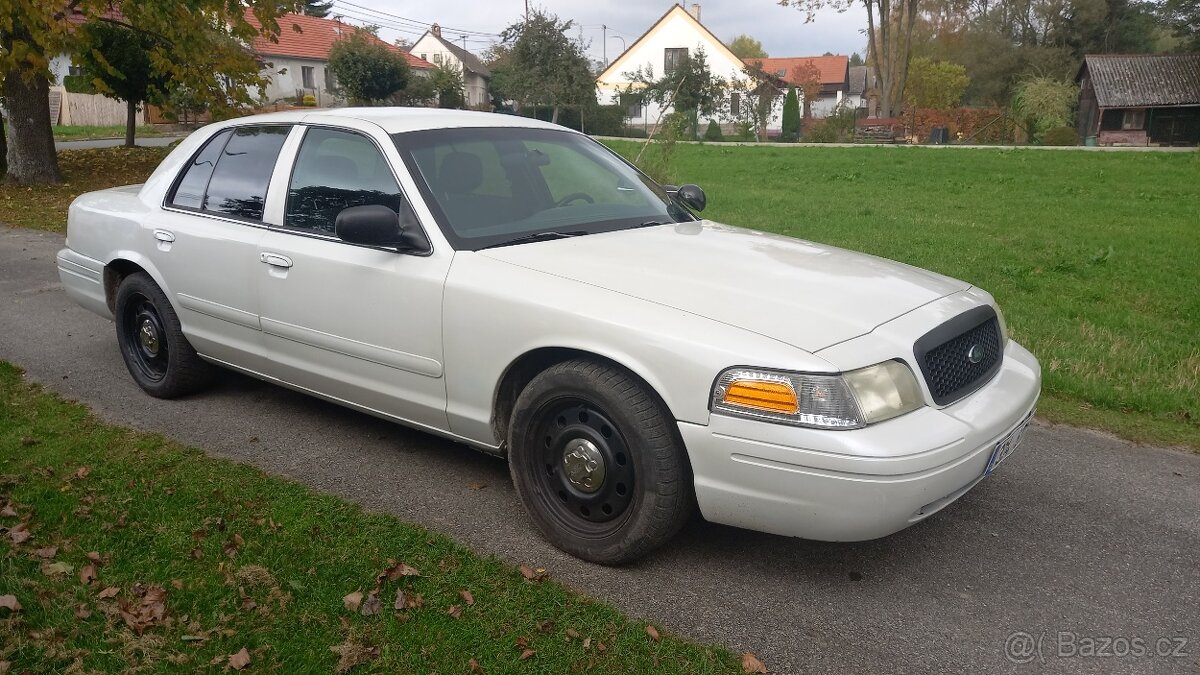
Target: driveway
<point>1085,544</point>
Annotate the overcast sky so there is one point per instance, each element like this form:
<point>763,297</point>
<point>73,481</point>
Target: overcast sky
<point>782,30</point>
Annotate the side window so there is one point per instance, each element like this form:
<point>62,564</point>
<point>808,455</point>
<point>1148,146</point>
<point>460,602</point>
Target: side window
<point>239,183</point>
<point>189,193</point>
<point>336,170</point>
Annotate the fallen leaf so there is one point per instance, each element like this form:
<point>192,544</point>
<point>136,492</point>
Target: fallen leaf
<point>477,486</point>
<point>82,472</point>
<point>150,609</point>
<point>652,632</point>
<point>522,642</point>
<point>248,603</point>
<point>467,597</point>
<point>82,611</point>
<point>19,533</point>
<point>572,633</point>
<point>56,569</point>
<point>396,571</point>
<point>751,664</point>
<point>94,556</point>
<point>8,511</point>
<point>10,603</point>
<point>351,655</point>
<point>546,626</point>
<point>587,642</point>
<point>239,660</point>
<point>4,666</point>
<point>529,573</point>
<point>177,584</point>
<point>600,647</point>
<point>197,553</point>
<point>455,611</point>
<point>372,605</point>
<point>48,552</point>
<point>110,592</point>
<point>353,600</point>
<point>87,575</point>
<point>475,667</point>
<point>401,601</point>
<point>417,601</point>
<point>527,653</point>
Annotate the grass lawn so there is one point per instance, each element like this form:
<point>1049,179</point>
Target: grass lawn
<point>69,132</point>
<point>1094,257</point>
<point>128,552</point>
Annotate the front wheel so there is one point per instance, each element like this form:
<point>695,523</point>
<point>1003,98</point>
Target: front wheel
<point>158,356</point>
<point>597,464</point>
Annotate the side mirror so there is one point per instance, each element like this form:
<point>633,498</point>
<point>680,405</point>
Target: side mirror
<point>692,197</point>
<point>377,225</point>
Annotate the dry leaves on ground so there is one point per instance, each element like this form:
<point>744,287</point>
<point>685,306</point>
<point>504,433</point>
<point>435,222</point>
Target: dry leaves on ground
<point>239,660</point>
<point>10,603</point>
<point>455,611</point>
<point>87,574</point>
<point>396,571</point>
<point>751,664</point>
<point>352,601</point>
<point>8,511</point>
<point>19,533</point>
<point>110,592</point>
<point>351,655</point>
<point>47,553</point>
<point>652,632</point>
<point>531,574</point>
<point>475,667</point>
<point>467,597</point>
<point>372,605</point>
<point>149,611</point>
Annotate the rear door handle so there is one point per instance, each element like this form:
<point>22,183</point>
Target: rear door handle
<point>275,259</point>
<point>164,236</point>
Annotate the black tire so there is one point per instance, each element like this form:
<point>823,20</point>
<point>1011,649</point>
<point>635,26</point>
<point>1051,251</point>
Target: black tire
<point>158,356</point>
<point>589,410</point>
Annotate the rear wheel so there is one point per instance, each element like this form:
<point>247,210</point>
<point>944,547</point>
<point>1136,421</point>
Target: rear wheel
<point>597,464</point>
<point>158,356</point>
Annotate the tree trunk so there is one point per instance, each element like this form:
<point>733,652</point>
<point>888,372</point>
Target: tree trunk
<point>31,156</point>
<point>130,122</point>
<point>3,147</point>
<point>554,116</point>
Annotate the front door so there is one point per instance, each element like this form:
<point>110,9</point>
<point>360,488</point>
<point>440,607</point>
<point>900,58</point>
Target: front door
<point>355,323</point>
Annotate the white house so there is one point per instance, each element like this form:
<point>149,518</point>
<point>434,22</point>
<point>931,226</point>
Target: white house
<point>433,48</point>
<point>833,72</point>
<point>297,63</point>
<point>677,34</point>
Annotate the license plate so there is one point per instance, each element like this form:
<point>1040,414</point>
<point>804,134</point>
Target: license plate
<point>1007,445</point>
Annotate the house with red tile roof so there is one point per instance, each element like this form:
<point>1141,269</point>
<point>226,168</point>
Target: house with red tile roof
<point>834,73</point>
<point>297,61</point>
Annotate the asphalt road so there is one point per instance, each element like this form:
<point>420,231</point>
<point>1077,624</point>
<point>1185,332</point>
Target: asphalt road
<point>1083,542</point>
<point>147,141</point>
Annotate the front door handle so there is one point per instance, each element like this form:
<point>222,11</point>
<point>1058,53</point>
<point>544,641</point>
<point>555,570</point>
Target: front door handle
<point>275,260</point>
<point>164,236</point>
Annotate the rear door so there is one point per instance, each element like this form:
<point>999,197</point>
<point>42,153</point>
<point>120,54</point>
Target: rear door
<point>206,242</point>
<point>355,323</point>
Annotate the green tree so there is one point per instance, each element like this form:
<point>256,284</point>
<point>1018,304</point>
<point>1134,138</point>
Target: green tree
<point>690,88</point>
<point>202,48</point>
<point>938,85</point>
<point>117,59</point>
<point>367,70</point>
<point>1045,103</point>
<point>317,8</point>
<point>856,59</point>
<point>447,85</point>
<point>791,117</point>
<point>543,66</point>
<point>746,47</point>
<point>1183,16</point>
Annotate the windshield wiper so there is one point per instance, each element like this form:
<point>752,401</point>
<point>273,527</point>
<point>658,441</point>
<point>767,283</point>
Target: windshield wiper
<point>537,236</point>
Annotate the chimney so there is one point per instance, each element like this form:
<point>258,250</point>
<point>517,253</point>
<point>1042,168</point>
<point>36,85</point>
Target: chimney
<point>436,30</point>
<point>695,11</point>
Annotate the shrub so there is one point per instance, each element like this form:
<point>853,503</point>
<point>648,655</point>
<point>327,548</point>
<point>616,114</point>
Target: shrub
<point>713,132</point>
<point>1060,136</point>
<point>790,133</point>
<point>79,84</point>
<point>820,132</point>
<point>310,100</point>
<point>633,132</point>
<point>604,120</point>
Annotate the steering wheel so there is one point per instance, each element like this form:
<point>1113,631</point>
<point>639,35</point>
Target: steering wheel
<point>573,197</point>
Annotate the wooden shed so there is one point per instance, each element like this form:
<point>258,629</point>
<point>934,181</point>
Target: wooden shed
<point>1140,99</point>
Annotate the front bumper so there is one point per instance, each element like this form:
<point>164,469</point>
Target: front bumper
<point>861,484</point>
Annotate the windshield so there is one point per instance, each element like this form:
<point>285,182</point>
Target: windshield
<point>500,186</point>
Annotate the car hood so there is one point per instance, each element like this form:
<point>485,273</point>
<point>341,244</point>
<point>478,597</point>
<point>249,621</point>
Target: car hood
<point>802,293</point>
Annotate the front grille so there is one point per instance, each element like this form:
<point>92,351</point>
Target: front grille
<point>961,355</point>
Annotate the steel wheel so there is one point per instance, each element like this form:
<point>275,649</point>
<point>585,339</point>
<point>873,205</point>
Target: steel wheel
<point>159,357</point>
<point>146,346</point>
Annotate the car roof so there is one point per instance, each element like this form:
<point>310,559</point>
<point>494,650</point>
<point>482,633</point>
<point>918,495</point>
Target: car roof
<point>394,120</point>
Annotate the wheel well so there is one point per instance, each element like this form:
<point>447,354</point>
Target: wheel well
<point>114,272</point>
<point>522,371</point>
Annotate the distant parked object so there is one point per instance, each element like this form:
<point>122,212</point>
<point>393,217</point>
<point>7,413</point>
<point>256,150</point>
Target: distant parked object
<point>1142,99</point>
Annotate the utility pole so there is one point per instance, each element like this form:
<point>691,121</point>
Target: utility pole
<point>464,39</point>
<point>604,42</point>
<point>526,11</point>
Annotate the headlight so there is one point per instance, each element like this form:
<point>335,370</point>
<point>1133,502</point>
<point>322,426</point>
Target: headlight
<point>1003,327</point>
<point>847,401</point>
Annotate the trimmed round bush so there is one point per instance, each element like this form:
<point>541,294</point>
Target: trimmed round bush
<point>713,132</point>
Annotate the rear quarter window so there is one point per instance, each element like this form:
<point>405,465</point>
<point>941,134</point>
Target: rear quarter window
<point>230,174</point>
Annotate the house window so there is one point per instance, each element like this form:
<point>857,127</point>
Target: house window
<point>673,57</point>
<point>437,58</point>
<point>74,71</point>
<point>1134,119</point>
<point>306,75</point>
<point>425,57</point>
<point>735,103</point>
<point>633,105</point>
<point>781,72</point>
<point>330,80</point>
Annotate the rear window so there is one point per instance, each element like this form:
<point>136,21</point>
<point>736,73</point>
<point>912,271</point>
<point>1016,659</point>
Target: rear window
<point>230,175</point>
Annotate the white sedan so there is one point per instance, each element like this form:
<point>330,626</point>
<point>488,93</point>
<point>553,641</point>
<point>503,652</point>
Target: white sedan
<point>520,288</point>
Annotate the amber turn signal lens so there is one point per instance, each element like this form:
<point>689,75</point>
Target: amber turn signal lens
<point>763,395</point>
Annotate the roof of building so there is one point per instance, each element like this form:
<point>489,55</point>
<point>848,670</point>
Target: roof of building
<point>469,60</point>
<point>612,67</point>
<point>1137,80</point>
<point>861,79</point>
<point>833,69</point>
<point>308,37</point>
